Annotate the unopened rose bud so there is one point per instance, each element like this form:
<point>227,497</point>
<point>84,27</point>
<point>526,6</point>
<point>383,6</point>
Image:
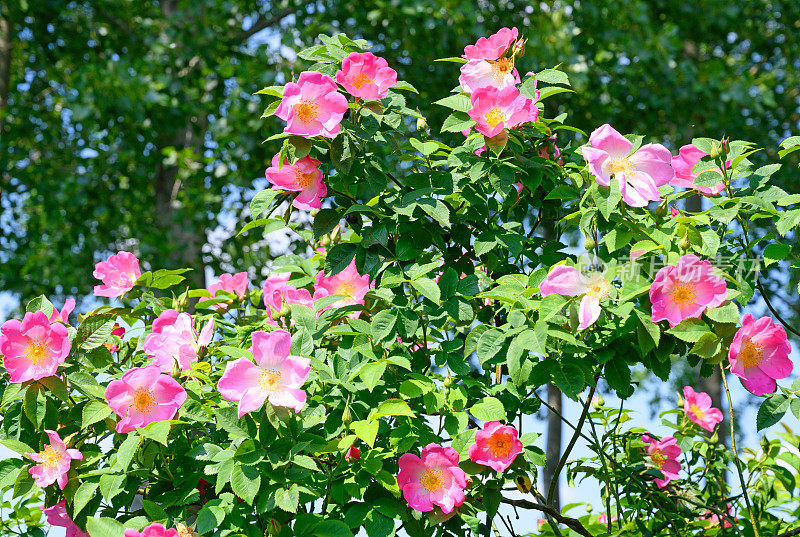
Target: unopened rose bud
<point>589,243</point>
<point>673,212</point>
<point>685,243</point>
<point>286,310</point>
<point>347,416</point>
<point>589,508</point>
<point>326,241</point>
<point>352,454</point>
<point>176,369</point>
<point>519,48</point>
<point>598,402</point>
<point>422,124</point>
<point>661,210</point>
<point>313,212</point>
<point>717,150</point>
<point>448,381</point>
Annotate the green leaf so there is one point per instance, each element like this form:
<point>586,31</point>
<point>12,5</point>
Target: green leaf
<point>457,122</point>
<point>245,482</point>
<point>338,258</point>
<point>261,201</point>
<point>458,102</point>
<point>426,148</point>
<point>689,330</point>
<point>94,331</point>
<point>618,376</point>
<point>35,403</point>
<point>534,340</point>
<point>550,305</point>
<point>383,324</point>
<point>126,451</point>
<point>299,147</point>
<point>771,411</point>
<point>728,313</point>
<point>16,446</point>
<point>490,344</point>
<point>288,499</point>
<point>707,346</point>
<point>111,485</point>
<point>568,376</point>
<point>392,407</point>
<point>83,495</point>
<point>93,412</point>
<point>427,288</point>
<point>40,303</point>
<point>489,409</point>
<point>158,431</point>
<point>104,527</point>
<point>331,528</point>
<point>776,252</point>
<point>154,511</point>
<point>371,373</point>
<point>325,221</point>
<point>552,76</point>
<point>366,430</point>
<point>607,197</point>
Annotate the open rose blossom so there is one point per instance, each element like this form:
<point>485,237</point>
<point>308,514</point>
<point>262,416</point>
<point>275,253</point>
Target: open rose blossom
<point>685,290</point>
<point>58,518</point>
<point>153,530</point>
<point>684,163</point>
<point>759,354</point>
<point>434,478</point>
<point>349,283</point>
<point>697,406</point>
<point>714,518</point>
<point>496,109</point>
<point>569,281</point>
<point>277,291</point>
<point>492,47</point>
<point>663,455</point>
<point>174,338</point>
<point>603,518</point>
<point>54,462</point>
<point>639,174</point>
<point>366,76</point>
<point>118,273</point>
<point>476,74</point>
<point>496,446</point>
<point>142,396</point>
<point>235,284</point>
<point>34,348</point>
<point>63,315</point>
<point>313,106</point>
<point>276,376</point>
<point>303,176</point>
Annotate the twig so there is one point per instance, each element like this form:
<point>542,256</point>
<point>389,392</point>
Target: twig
<point>573,523</point>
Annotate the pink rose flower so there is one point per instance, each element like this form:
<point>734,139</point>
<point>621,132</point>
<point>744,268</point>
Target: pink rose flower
<point>118,273</point>
<point>603,518</point>
<point>175,339</point>
<point>714,518</point>
<point>492,47</point>
<point>153,530</point>
<point>34,348</point>
<point>349,283</point>
<point>303,176</point>
<point>57,517</point>
<point>63,315</point>
<point>686,290</point>
<point>639,174</point>
<point>697,406</point>
<point>142,396</point>
<point>366,76</point>
<point>759,354</point>
<point>352,454</point>
<point>663,455</point>
<point>496,109</point>
<point>276,376</point>
<point>569,281</point>
<point>434,478</point>
<point>684,163</point>
<point>476,74</point>
<point>550,150</point>
<point>120,333</point>
<point>236,284</point>
<point>312,106</point>
<point>496,446</point>
<point>277,290</point>
<point>54,462</point>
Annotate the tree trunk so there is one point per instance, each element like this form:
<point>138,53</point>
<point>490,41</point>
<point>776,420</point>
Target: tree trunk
<point>553,451</point>
<point>6,44</point>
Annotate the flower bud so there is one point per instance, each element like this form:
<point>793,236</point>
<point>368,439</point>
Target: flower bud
<point>422,124</point>
<point>685,243</point>
<point>661,210</point>
<point>598,401</point>
<point>286,310</point>
<point>313,212</point>
<point>448,381</point>
<point>589,243</point>
<point>352,454</point>
<point>347,416</point>
<point>176,370</point>
<point>717,150</point>
<point>519,48</point>
<point>589,508</point>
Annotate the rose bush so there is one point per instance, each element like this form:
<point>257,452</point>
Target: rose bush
<point>378,378</point>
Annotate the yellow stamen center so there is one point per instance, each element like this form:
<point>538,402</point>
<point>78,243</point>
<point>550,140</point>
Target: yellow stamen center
<point>432,480</point>
<point>751,354</point>
<point>501,68</point>
<point>306,111</point>
<point>499,445</point>
<point>36,351</point>
<point>599,289</point>
<point>362,78</point>
<point>697,411</point>
<point>621,165</point>
<point>658,458</point>
<point>269,380</point>
<point>50,457</point>
<point>494,116</point>
<point>347,289</point>
<point>303,179</point>
<point>143,400</point>
<point>683,294</point>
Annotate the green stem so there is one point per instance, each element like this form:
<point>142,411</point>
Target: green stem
<point>736,455</point>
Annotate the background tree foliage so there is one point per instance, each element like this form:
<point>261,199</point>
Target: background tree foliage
<point>133,121</point>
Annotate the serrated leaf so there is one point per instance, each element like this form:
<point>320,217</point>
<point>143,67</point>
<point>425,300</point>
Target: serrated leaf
<point>104,527</point>
<point>287,499</point>
<point>771,411</point>
<point>261,201</point>
<point>245,482</point>
<point>618,375</point>
<point>689,330</point>
<point>366,430</point>
<point>393,407</point>
<point>371,374</point>
<point>93,412</point>
<point>83,496</point>
<point>427,288</point>
<point>383,324</point>
<point>489,409</point>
